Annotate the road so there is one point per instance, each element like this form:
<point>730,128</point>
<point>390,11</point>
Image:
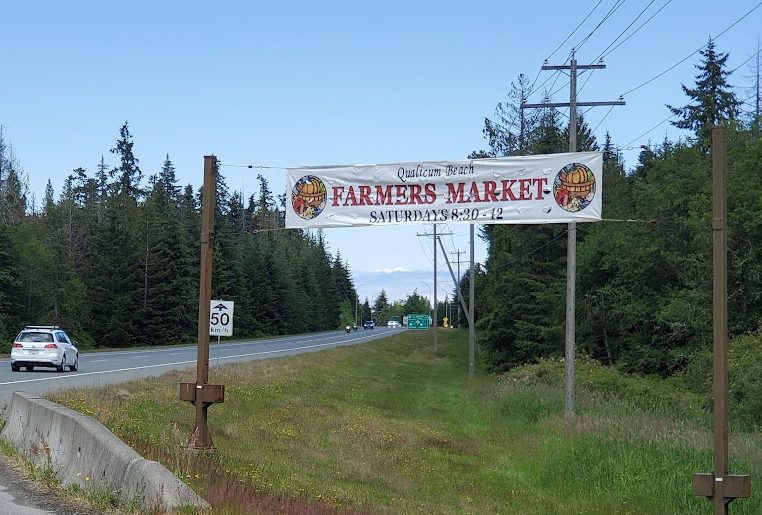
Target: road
<point>100,368</point>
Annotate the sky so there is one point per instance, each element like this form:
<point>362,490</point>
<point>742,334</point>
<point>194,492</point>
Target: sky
<point>281,84</point>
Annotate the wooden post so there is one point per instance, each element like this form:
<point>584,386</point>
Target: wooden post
<point>720,486</point>
<point>201,393</point>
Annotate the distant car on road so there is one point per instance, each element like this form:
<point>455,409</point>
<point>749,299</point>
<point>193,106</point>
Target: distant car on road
<point>369,324</point>
<point>44,346</point>
<point>393,324</point>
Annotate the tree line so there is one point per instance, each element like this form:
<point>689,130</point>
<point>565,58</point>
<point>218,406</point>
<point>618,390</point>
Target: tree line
<point>644,273</point>
<point>115,259</point>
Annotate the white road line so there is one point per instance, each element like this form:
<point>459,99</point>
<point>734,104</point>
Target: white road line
<point>96,360</point>
<point>80,374</point>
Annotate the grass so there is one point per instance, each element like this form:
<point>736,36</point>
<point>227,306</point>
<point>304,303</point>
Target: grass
<point>391,427</point>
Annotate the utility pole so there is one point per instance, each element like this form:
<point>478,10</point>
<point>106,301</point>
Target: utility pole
<point>436,345</point>
<point>471,302</point>
<point>458,253</point>
<point>468,310</point>
<point>571,246</point>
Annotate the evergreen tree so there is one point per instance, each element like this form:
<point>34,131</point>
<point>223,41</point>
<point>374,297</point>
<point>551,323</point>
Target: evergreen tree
<point>10,285</point>
<point>508,134</point>
<point>128,173</point>
<point>547,137</point>
<point>169,181</point>
<point>416,304</point>
<point>366,313</point>
<point>713,100</point>
<point>168,273</point>
<point>381,308</point>
<point>13,188</point>
<point>585,138</point>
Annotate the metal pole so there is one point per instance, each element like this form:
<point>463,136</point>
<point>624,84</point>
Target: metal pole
<point>219,351</point>
<point>571,261</point>
<point>471,328</point>
<point>435,289</point>
<point>201,439</point>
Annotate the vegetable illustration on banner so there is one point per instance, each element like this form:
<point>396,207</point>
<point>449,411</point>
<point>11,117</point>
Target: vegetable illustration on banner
<point>552,188</point>
<point>574,187</point>
<point>308,197</point>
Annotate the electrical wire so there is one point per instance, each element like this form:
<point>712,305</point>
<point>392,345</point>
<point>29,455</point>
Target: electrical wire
<point>752,56</point>
<point>615,7</point>
<point>518,258</point>
<point>575,30</point>
<point>636,30</point>
<point>604,117</point>
<point>260,167</point>
<point>649,130</point>
<point>681,61</point>
<point>625,29</point>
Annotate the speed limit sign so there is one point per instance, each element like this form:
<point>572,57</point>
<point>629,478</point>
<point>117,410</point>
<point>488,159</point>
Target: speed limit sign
<point>221,318</point>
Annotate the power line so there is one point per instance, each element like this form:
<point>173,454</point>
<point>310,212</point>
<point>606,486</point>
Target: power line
<point>649,130</point>
<point>681,61</point>
<point>572,33</point>
<point>604,117</point>
<point>752,56</point>
<point>626,29</point>
<point>261,167</point>
<point>636,30</point>
<point>613,9</point>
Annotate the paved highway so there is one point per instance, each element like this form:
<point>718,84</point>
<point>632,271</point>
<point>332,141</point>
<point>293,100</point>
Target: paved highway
<point>100,368</point>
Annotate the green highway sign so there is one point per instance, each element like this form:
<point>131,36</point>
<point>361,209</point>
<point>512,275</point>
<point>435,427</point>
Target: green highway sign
<point>420,322</point>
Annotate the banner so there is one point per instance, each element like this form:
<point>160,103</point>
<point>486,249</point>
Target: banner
<point>553,188</point>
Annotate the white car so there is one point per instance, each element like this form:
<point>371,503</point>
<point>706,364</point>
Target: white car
<point>44,346</point>
<point>393,324</point>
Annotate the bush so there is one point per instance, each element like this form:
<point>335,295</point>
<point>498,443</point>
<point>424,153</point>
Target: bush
<point>744,386</point>
<point>645,392</point>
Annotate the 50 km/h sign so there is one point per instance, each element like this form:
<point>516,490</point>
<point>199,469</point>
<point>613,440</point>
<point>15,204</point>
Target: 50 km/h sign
<point>420,322</point>
<point>221,318</point>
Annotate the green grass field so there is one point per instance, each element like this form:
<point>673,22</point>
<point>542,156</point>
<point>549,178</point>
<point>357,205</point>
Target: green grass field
<point>390,427</point>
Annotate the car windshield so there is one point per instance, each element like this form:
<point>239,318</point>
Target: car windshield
<point>34,337</point>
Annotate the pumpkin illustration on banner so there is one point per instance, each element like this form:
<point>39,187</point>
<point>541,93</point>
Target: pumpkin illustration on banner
<point>308,197</point>
<point>574,187</point>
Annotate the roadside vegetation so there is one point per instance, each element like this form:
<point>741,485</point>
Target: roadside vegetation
<point>390,427</point>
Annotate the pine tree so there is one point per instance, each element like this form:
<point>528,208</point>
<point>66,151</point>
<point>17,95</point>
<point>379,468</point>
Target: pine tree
<point>713,101</point>
<point>381,308</point>
<point>168,273</point>
<point>508,134</point>
<point>10,284</point>
<point>169,181</point>
<point>128,173</point>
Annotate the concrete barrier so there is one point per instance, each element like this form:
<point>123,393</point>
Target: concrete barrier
<point>79,450</point>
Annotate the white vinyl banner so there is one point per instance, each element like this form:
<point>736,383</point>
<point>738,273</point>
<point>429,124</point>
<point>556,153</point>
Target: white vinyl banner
<point>552,188</point>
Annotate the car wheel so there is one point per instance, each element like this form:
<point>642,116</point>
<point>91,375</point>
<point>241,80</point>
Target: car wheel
<point>29,368</point>
<point>61,367</point>
<point>75,366</point>
<point>15,368</point>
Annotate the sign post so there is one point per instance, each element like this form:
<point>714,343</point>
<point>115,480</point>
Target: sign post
<point>220,321</point>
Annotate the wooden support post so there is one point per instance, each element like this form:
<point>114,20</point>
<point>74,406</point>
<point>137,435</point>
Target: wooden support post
<point>720,486</point>
<point>200,393</point>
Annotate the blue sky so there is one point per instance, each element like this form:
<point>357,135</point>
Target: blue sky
<point>314,83</point>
